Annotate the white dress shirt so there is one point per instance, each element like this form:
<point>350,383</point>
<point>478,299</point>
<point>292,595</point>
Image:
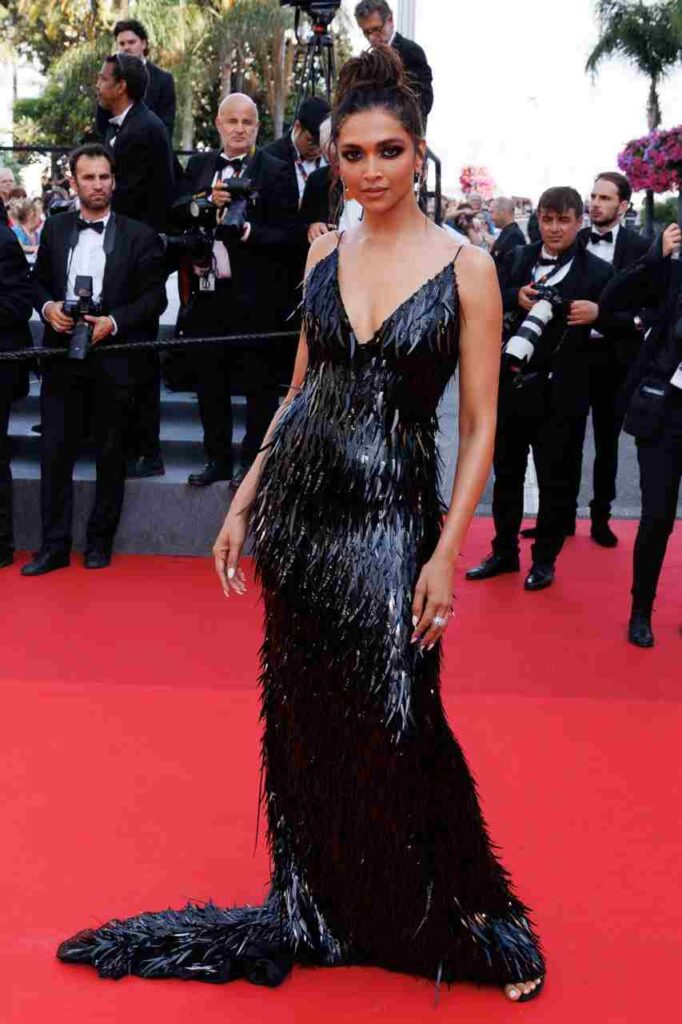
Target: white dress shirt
<point>604,250</point>
<point>87,258</point>
<point>221,257</point>
<point>547,271</point>
<point>304,168</point>
<point>118,121</point>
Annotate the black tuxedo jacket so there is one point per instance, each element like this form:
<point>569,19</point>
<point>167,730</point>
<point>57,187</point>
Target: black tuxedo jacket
<point>650,283</point>
<point>159,97</point>
<point>143,168</point>
<point>16,303</point>
<point>418,71</point>
<point>133,290</point>
<point>586,279</point>
<point>258,286</point>
<point>318,205</point>
<point>509,238</point>
<point>630,246</point>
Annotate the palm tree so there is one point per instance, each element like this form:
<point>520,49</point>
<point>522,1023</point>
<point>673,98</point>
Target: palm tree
<point>646,36</point>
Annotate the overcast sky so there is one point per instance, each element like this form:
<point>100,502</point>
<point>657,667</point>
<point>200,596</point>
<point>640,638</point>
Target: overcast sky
<point>511,92</point>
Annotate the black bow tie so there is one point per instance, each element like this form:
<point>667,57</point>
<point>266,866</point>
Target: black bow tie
<point>236,164</point>
<point>546,261</point>
<point>596,239</point>
<point>94,225</point>
<point>114,128</point>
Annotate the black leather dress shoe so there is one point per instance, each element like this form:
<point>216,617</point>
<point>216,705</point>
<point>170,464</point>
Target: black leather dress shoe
<point>539,578</point>
<point>210,474</point>
<point>46,561</point>
<point>6,557</point>
<point>639,630</point>
<point>96,558</point>
<point>145,466</point>
<point>602,533</point>
<point>493,565</point>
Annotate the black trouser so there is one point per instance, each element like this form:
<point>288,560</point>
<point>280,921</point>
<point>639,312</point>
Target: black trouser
<point>7,393</point>
<point>553,439</point>
<point>66,390</point>
<point>217,367</point>
<point>607,375</point>
<point>144,423</point>
<point>660,471</point>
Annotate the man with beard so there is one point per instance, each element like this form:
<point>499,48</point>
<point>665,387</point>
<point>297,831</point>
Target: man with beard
<point>610,360</point>
<point>123,261</point>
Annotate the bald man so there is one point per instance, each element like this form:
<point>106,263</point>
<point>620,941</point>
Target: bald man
<point>241,290</point>
<point>503,213</point>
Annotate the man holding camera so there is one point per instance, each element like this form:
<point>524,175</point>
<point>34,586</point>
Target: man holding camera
<point>375,20</point>
<point>239,285</point>
<point>551,294</point>
<point>100,269</point>
<point>15,312</point>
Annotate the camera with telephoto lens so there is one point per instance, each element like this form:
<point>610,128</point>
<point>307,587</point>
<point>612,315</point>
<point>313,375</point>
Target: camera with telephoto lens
<point>78,308</point>
<point>197,217</point>
<point>520,347</point>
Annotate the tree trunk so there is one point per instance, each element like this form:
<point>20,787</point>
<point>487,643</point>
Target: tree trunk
<point>653,114</point>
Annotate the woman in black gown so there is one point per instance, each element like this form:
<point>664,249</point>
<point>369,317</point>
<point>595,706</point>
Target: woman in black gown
<point>380,854</point>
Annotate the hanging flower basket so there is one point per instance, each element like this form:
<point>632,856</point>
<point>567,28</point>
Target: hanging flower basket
<point>654,161</point>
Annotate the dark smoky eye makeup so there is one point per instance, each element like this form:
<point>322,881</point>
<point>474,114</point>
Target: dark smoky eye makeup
<point>391,152</point>
<point>351,154</point>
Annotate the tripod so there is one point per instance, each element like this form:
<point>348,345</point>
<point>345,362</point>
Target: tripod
<point>318,63</point>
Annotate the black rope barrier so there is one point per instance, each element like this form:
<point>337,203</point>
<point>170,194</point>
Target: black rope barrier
<point>158,343</point>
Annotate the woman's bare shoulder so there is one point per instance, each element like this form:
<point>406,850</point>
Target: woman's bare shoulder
<point>321,248</point>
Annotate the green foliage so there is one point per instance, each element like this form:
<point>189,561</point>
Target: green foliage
<point>645,34</point>
<point>666,212</point>
<point>212,47</point>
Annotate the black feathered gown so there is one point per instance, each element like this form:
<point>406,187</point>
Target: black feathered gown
<point>379,852</point>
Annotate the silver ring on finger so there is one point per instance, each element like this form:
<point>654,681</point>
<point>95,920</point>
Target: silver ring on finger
<point>438,620</point>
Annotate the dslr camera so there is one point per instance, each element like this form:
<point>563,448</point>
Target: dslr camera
<point>520,347</point>
<point>198,216</point>
<point>78,308</point>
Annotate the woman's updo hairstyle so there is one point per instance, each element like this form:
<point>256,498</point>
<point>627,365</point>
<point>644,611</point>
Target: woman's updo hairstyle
<point>376,78</point>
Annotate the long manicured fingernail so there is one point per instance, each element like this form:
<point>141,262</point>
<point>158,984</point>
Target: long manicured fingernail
<point>414,639</point>
<point>415,620</point>
<point>230,574</point>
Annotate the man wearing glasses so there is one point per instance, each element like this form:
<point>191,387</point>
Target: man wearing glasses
<point>375,19</point>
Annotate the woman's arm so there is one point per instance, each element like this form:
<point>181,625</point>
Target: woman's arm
<point>480,343</point>
<point>230,540</point>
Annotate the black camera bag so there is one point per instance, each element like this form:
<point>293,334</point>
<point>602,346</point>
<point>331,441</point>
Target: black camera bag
<point>648,406</point>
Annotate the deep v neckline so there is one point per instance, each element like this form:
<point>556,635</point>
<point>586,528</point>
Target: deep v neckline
<point>398,309</point>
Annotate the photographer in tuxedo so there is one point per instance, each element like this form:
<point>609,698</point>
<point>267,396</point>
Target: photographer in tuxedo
<point>375,20</point>
<point>120,262</point>
<point>159,96</point>
<point>544,380</point>
<point>610,359</point>
<point>144,186</point>
<point>16,306</point>
<point>653,395</point>
<point>241,287</point>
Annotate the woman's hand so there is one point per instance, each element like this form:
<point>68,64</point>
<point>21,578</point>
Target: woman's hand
<point>227,551</point>
<point>432,599</point>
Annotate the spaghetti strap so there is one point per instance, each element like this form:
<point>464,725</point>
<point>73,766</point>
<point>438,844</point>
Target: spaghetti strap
<point>457,254</point>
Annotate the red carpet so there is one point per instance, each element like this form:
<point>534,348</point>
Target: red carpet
<point>130,774</point>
